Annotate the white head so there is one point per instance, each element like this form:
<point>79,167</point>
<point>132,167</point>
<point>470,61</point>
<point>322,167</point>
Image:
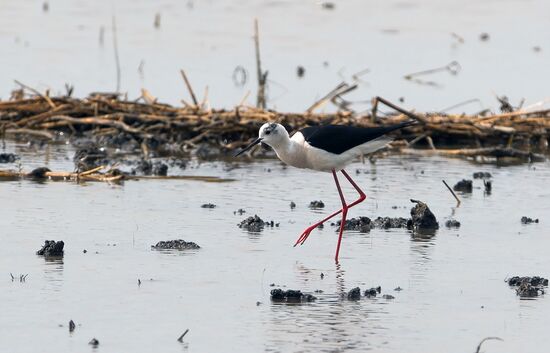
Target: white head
<point>272,134</point>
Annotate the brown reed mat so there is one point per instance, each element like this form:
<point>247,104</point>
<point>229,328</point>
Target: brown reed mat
<point>111,119</point>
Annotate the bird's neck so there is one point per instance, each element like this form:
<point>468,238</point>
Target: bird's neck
<point>290,152</point>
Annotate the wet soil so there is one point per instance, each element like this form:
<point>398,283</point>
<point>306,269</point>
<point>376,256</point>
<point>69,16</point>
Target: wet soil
<point>177,244</point>
<point>422,217</point>
<point>528,220</point>
<point>52,248</point>
<point>528,287</point>
<point>465,185</point>
<point>256,224</point>
<point>8,157</point>
<point>291,296</point>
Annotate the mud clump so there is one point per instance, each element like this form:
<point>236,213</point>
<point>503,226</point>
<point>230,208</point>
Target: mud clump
<point>208,205</point>
<point>8,157</point>
<point>422,217</point>
<point>145,167</point>
<point>452,223</point>
<point>89,157</point>
<point>354,294</point>
<point>389,222</point>
<point>528,287</point>
<point>292,205</point>
<point>482,175</point>
<point>360,224</point>
<point>256,224</point>
<point>177,244</point>
<point>316,204</point>
<point>39,173</point>
<point>464,185</point>
<point>372,292</point>
<point>488,186</point>
<point>527,220</point>
<point>94,343</point>
<point>291,296</point>
<point>51,248</point>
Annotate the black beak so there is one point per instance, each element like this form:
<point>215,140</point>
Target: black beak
<point>254,143</point>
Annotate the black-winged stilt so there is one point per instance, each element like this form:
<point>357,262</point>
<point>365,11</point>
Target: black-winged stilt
<point>329,149</point>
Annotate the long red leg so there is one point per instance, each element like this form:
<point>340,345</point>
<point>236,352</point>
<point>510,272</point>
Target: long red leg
<point>303,237</point>
<point>344,214</point>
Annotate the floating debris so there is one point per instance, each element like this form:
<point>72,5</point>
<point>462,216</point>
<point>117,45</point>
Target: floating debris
<point>240,211</point>
<point>452,223</point>
<point>51,248</point>
<point>208,205</point>
<point>464,185</point>
<point>316,204</point>
<point>488,186</point>
<point>177,244</point>
<point>72,326</point>
<point>422,217</point>
<point>300,71</point>
<point>94,342</point>
<point>180,338</point>
<point>292,205</point>
<point>528,220</point>
<point>354,294</point>
<point>291,296</point>
<point>484,36</point>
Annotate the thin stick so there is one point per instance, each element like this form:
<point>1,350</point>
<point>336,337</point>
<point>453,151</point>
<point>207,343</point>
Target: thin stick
<point>262,77</point>
<point>452,192</point>
<point>180,339</point>
<point>399,109</point>
<point>43,96</point>
<point>189,88</point>
<point>342,87</point>
<point>245,97</point>
<point>453,68</point>
<point>117,60</point>
<point>486,339</point>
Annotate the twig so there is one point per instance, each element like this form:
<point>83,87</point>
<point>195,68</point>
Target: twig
<point>486,339</point>
<point>189,88</point>
<point>453,68</point>
<point>43,96</point>
<point>262,76</point>
<point>180,339</point>
<point>117,60</point>
<point>342,87</point>
<point>452,192</point>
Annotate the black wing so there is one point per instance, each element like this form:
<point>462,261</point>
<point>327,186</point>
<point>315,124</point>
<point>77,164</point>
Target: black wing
<point>340,138</point>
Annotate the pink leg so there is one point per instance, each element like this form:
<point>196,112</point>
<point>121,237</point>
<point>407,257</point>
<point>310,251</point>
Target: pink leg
<point>361,198</point>
<point>344,214</point>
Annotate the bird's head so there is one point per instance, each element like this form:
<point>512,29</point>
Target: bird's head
<point>272,134</point>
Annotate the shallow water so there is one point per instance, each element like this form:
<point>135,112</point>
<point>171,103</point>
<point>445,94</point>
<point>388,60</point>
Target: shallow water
<point>209,39</point>
<point>453,294</point>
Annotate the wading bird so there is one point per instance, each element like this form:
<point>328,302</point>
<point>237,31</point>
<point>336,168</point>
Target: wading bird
<point>328,148</point>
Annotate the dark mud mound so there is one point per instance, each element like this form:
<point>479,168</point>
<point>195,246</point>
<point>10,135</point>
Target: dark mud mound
<point>290,296</point>
<point>51,248</point>
<point>316,204</point>
<point>208,205</point>
<point>464,185</point>
<point>389,222</point>
<point>177,244</point>
<point>39,173</point>
<point>146,167</point>
<point>256,224</point>
<point>452,223</point>
<point>8,157</point>
<point>422,217</point>
<point>354,294</point>
<point>482,175</point>
<point>360,224</point>
<point>373,292</point>
<point>528,220</point>
<point>528,287</point>
<point>89,157</point>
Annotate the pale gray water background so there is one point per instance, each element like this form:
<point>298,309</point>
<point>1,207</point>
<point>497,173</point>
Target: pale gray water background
<point>210,38</point>
<point>453,294</point>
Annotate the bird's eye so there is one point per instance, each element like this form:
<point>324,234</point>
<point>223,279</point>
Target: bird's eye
<point>267,132</point>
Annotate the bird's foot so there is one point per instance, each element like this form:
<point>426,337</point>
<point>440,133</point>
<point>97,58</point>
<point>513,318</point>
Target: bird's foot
<point>301,240</point>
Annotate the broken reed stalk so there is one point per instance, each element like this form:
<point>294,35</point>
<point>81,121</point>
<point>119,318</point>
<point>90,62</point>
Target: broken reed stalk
<point>117,59</point>
<point>43,96</point>
<point>452,192</point>
<point>189,88</point>
<point>180,339</point>
<point>262,76</point>
<point>478,350</point>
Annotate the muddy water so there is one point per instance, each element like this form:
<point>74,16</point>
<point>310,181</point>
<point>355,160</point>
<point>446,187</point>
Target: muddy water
<point>453,290</point>
<point>211,38</point>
